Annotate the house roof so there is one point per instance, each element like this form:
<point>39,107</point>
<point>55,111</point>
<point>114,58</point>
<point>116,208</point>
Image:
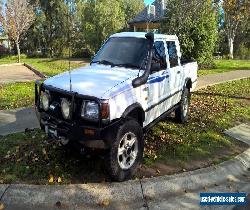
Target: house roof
<point>143,16</point>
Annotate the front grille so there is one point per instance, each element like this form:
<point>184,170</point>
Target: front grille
<point>57,95</point>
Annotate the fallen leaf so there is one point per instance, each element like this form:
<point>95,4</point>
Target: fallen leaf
<point>44,151</point>
<point>7,156</point>
<point>104,203</point>
<point>205,188</point>
<point>1,206</point>
<point>17,149</point>
<point>58,204</point>
<point>51,179</point>
<point>59,179</point>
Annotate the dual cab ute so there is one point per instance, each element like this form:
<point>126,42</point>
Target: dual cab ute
<point>134,80</point>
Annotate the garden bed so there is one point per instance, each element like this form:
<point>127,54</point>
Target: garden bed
<point>170,147</point>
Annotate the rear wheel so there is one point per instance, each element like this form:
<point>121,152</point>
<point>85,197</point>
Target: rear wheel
<point>182,112</point>
<point>126,152</point>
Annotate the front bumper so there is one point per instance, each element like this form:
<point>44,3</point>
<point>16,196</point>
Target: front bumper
<point>75,129</point>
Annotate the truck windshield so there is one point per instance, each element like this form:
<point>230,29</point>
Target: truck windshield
<point>128,52</point>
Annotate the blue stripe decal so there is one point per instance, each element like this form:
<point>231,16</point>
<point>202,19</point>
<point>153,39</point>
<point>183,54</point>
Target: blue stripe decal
<point>157,79</point>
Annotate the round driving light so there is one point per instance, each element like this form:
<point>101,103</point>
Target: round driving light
<point>65,107</point>
<point>45,101</point>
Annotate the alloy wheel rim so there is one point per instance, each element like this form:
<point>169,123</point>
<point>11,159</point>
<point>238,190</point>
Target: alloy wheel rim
<point>127,151</point>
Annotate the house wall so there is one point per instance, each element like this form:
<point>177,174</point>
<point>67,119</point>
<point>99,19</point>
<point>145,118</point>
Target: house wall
<point>145,27</point>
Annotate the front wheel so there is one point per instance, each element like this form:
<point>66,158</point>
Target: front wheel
<point>126,152</point>
<point>182,112</point>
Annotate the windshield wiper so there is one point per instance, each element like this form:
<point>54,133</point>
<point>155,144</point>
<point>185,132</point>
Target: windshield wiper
<point>104,62</point>
<point>127,65</point>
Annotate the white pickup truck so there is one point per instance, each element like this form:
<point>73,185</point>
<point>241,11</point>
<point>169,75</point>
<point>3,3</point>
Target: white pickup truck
<point>134,81</point>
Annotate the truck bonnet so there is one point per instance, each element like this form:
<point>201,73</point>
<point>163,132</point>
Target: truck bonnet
<point>95,80</point>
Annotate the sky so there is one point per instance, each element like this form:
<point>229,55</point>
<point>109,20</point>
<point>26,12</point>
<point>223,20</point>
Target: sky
<point>148,1</point>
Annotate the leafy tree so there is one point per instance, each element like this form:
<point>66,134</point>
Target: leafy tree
<point>235,12</point>
<point>131,8</point>
<point>16,18</point>
<point>242,40</point>
<point>49,31</point>
<point>195,22</point>
<point>91,23</point>
<point>102,18</point>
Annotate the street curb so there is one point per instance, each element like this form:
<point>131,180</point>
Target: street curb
<point>127,194</point>
<point>89,196</point>
<point>38,73</point>
<point>160,187</point>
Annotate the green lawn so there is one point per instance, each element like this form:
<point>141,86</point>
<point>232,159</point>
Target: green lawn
<point>22,94</point>
<point>226,66</point>
<point>31,158</point>
<point>49,67</point>
<point>213,110</point>
<point>8,60</point>
<point>16,95</point>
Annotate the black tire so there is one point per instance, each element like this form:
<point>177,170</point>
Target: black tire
<point>182,112</point>
<point>112,162</point>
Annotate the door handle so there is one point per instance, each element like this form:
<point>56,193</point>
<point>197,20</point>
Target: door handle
<point>145,89</point>
<point>178,72</point>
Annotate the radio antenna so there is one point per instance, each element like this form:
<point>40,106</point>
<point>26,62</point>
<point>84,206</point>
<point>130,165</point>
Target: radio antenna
<point>69,42</point>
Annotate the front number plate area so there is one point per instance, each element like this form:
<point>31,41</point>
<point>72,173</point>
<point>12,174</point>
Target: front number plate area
<point>51,131</point>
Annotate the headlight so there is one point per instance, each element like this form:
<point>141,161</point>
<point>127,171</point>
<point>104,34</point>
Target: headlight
<point>45,101</point>
<point>65,107</point>
<point>90,110</point>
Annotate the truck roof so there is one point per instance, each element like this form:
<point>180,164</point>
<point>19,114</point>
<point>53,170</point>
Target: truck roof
<point>142,35</point>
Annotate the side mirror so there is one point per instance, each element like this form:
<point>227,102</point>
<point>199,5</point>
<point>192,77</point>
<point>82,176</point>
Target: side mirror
<point>155,67</point>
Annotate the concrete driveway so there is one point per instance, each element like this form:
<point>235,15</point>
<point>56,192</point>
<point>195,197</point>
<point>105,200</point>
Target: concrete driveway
<point>16,73</point>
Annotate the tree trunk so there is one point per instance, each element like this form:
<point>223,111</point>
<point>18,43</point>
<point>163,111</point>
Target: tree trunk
<point>231,47</point>
<point>18,52</point>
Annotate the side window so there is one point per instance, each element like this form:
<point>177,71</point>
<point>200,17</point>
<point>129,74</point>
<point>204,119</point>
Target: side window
<point>172,52</point>
<point>159,54</point>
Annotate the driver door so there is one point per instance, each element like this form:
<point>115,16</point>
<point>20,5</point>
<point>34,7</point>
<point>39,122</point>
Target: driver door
<point>157,85</point>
